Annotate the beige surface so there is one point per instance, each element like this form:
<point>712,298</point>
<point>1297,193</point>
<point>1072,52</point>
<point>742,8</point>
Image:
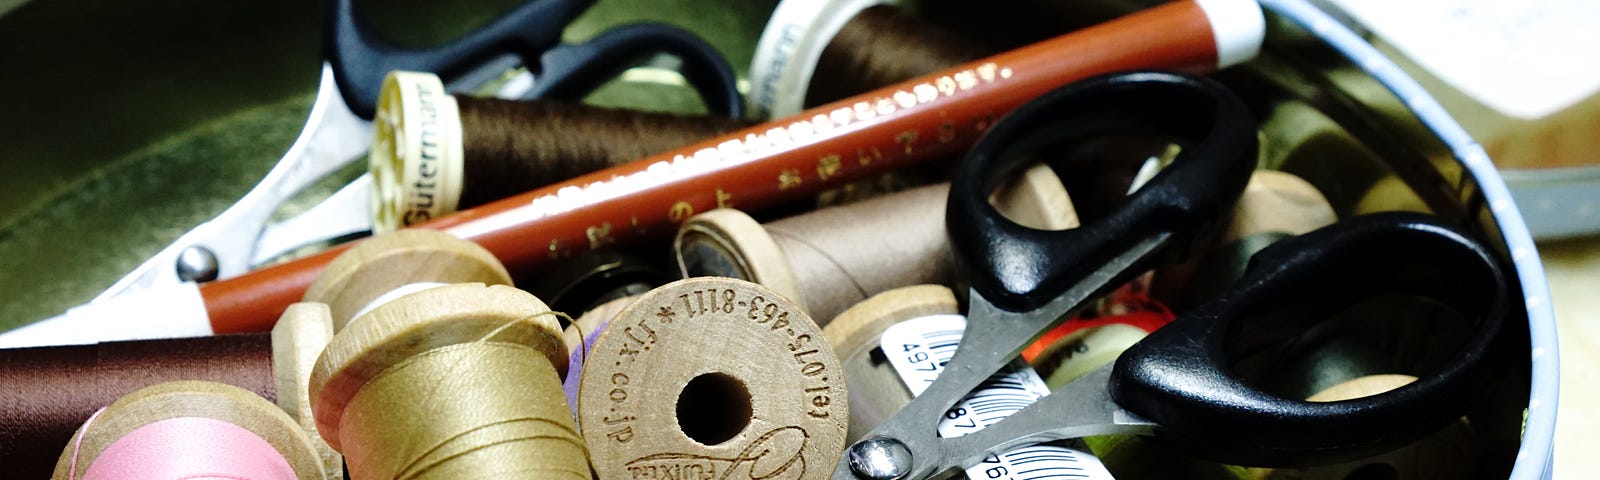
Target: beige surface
<point>1573,269</point>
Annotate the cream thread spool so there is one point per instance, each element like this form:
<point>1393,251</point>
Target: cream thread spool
<point>190,401</point>
<point>832,258</point>
<point>713,377</point>
<point>298,339</point>
<point>492,407</point>
<point>909,335</point>
<point>390,265</point>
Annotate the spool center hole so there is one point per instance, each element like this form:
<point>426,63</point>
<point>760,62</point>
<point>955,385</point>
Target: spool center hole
<point>713,408</point>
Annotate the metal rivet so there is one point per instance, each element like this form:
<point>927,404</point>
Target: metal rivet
<point>197,264</point>
<point>880,458</point>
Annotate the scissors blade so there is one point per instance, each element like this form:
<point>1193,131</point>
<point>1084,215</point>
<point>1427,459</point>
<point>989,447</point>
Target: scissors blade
<point>332,138</point>
<point>346,213</point>
<point>166,310</point>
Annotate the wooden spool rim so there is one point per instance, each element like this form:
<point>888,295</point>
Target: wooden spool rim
<point>743,240</point>
<point>385,262</point>
<point>192,399</point>
<point>432,318</point>
<point>859,327</point>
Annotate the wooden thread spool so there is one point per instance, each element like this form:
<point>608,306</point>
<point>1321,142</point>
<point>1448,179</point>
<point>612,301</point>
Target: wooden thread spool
<point>713,376</point>
<point>458,381</point>
<point>1275,205</point>
<point>383,267</point>
<point>47,393</point>
<point>832,258</point>
<point>892,358</point>
<point>435,153</point>
<point>131,417</point>
<point>813,52</point>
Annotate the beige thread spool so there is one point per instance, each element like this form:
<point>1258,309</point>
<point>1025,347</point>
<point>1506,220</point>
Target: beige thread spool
<point>832,258</point>
<point>391,264</point>
<point>297,340</point>
<point>458,381</point>
<point>191,399</point>
<point>877,390</point>
<point>713,377</point>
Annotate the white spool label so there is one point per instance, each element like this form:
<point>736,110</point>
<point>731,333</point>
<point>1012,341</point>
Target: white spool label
<point>1524,58</point>
<point>919,349</point>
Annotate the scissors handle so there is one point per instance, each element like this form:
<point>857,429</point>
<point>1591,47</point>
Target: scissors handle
<point>360,58</point>
<point>1181,377</point>
<point>1018,268</point>
<point>573,70</point>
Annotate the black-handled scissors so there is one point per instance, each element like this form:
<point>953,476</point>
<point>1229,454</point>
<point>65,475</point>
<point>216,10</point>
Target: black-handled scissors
<point>360,58</point>
<point>1178,383</point>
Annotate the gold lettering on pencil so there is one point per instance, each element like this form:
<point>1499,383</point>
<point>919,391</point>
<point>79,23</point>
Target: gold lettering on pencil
<point>864,158</point>
<point>599,236</point>
<point>827,167</point>
<point>925,93</point>
<point>907,138</point>
<point>946,85</point>
<point>555,249</point>
<point>947,128</point>
<point>982,122</point>
<point>986,72</point>
<point>788,179</point>
<point>723,199</point>
<point>680,212</point>
<point>905,99</point>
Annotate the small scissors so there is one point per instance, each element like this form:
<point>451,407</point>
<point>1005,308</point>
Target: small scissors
<point>1179,384</point>
<point>339,133</point>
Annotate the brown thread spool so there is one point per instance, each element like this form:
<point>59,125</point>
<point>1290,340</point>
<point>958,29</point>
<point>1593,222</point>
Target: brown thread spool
<point>457,381</point>
<point>713,377</point>
<point>815,51</point>
<point>190,399</point>
<point>436,153</point>
<point>47,393</point>
<point>394,263</point>
<point>882,45</point>
<point>832,258</point>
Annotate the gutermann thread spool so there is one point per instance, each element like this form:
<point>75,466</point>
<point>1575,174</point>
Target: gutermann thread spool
<point>47,393</point>
<point>814,52</point>
<point>896,343</point>
<point>457,381</point>
<point>713,377</point>
<point>393,264</point>
<point>832,258</point>
<point>434,153</point>
<point>190,429</point>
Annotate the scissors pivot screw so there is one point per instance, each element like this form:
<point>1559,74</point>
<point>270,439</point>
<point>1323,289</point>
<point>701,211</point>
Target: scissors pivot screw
<point>197,264</point>
<point>880,458</point>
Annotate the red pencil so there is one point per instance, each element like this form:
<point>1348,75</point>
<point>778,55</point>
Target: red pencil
<point>793,157</point>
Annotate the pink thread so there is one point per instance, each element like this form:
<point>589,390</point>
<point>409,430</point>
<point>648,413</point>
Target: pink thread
<point>77,444</point>
<point>190,448</point>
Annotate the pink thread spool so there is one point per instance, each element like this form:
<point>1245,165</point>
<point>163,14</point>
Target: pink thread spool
<point>190,430</point>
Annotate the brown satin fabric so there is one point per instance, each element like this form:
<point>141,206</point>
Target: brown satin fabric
<point>46,393</point>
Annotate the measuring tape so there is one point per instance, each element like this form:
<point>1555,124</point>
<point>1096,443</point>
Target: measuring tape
<point>919,349</point>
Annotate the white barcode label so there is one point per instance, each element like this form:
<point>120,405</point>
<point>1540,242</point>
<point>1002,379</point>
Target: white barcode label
<point>919,349</point>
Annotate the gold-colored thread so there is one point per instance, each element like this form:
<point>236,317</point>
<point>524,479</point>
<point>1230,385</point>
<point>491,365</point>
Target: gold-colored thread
<point>486,409</point>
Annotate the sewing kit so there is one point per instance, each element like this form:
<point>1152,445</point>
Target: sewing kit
<point>797,239</point>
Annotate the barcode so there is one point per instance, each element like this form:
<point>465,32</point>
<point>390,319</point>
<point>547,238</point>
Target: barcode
<point>920,348</point>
